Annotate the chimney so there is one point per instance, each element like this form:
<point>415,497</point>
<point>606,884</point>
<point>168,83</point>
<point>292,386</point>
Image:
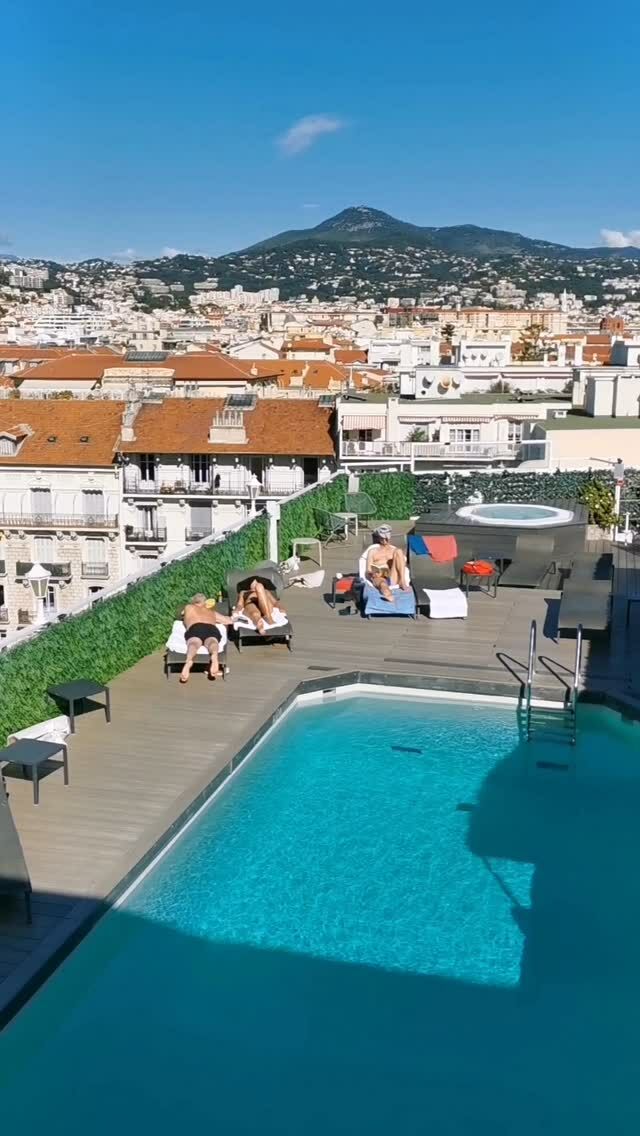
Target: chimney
<point>228,428</point>
<point>129,414</point>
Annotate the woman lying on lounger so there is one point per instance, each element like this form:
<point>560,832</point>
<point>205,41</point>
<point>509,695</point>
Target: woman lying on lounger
<point>260,605</point>
<point>386,565</point>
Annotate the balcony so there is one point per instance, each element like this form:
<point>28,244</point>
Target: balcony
<point>59,520</point>
<point>59,571</point>
<point>4,615</point>
<point>133,483</point>
<point>94,571</point>
<point>412,452</point>
<point>197,534</point>
<point>155,535</point>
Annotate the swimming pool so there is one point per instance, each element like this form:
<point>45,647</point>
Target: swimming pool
<point>505,513</point>
<point>389,921</point>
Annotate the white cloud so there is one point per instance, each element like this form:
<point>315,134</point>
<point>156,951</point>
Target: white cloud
<point>169,251</point>
<point>615,238</point>
<point>307,130</point>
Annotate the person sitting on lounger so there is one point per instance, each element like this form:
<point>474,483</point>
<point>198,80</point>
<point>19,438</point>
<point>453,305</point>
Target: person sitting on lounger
<point>386,565</point>
<point>200,622</point>
<point>260,605</point>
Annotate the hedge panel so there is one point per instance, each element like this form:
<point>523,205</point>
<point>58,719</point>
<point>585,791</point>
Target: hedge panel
<point>299,517</point>
<point>115,634</point>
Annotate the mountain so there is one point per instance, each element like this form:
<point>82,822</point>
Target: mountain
<point>362,225</point>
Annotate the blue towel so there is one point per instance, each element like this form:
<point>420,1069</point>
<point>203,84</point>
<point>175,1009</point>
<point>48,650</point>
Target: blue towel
<point>417,545</point>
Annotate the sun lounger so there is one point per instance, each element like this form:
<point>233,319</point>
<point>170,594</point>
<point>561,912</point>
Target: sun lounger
<point>533,562</point>
<point>175,654</point>
<point>281,630</point>
<point>372,603</point>
<point>586,596</point>
<point>429,573</point>
<point>14,877</point>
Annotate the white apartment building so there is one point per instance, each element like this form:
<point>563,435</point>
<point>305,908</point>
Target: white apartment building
<point>59,504</point>
<point>193,467</point>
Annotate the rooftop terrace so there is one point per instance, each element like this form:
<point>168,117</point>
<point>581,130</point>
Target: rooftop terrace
<point>132,780</point>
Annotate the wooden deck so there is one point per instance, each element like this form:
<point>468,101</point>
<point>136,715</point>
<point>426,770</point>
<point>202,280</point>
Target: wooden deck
<point>132,779</point>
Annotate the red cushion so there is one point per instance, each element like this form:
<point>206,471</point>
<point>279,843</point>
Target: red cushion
<point>478,568</point>
<point>344,585</point>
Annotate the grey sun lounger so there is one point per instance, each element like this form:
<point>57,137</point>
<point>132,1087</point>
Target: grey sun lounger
<point>533,562</point>
<point>14,877</point>
<point>270,575</point>
<point>586,596</point>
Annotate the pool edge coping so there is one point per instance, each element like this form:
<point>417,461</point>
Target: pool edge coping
<point>85,913</point>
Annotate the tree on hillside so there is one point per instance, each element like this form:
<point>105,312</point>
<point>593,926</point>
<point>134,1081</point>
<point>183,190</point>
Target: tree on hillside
<point>532,343</point>
<point>448,331</point>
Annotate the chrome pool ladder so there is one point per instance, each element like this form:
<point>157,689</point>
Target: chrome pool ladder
<point>558,721</point>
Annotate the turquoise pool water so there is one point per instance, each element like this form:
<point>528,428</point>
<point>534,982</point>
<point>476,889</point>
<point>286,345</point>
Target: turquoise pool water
<point>389,922</point>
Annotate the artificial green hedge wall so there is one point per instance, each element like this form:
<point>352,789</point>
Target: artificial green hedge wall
<point>399,496</point>
<point>117,633</point>
<point>300,517</point>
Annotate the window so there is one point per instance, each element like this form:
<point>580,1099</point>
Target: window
<point>461,434</point>
<point>94,550</point>
<point>51,600</point>
<point>93,503</point>
<point>7,445</point>
<point>514,431</point>
<point>148,467</point>
<point>43,550</point>
<point>201,468</point>
<point>41,502</point>
<point>147,518</point>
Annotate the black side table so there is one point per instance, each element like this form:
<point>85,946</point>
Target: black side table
<point>73,692</point>
<point>31,754</point>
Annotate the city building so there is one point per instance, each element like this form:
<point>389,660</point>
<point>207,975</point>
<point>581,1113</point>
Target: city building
<point>59,503</point>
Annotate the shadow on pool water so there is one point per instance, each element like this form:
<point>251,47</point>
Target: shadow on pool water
<point>147,1029</point>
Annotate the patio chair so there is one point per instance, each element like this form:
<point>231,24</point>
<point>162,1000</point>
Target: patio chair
<point>372,603</point>
<point>331,526</point>
<point>533,562</point>
<point>362,505</point>
<point>14,876</point>
<point>175,654</point>
<point>244,631</point>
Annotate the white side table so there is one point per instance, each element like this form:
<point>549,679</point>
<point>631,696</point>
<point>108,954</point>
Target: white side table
<point>349,518</point>
<point>305,541</point>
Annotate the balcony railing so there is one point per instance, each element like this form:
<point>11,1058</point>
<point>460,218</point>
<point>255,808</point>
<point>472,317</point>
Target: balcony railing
<point>95,571</point>
<point>4,615</point>
<point>197,534</point>
<point>156,535</point>
<point>439,451</point>
<point>58,571</point>
<point>59,520</point>
<point>133,483</point>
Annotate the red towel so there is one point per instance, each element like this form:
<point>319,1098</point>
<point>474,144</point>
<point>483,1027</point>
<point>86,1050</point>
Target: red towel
<point>442,549</point>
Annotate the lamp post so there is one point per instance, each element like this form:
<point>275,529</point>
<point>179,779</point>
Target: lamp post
<point>39,578</point>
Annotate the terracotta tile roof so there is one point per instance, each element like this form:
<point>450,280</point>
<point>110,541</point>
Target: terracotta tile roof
<point>36,421</point>
<point>190,367</point>
<point>275,426</point>
<point>31,354</point>
<point>345,355</point>
<point>308,345</point>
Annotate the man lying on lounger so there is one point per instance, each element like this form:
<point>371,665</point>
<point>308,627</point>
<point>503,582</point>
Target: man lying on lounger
<point>200,622</point>
<point>386,565</point>
<point>260,605</point>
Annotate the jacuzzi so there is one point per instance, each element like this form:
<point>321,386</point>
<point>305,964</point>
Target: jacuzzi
<point>516,516</point>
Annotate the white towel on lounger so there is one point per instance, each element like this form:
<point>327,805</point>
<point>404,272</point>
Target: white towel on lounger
<point>178,644</point>
<point>279,619</point>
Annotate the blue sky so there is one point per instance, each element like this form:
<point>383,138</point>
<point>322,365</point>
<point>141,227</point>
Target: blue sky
<point>142,126</point>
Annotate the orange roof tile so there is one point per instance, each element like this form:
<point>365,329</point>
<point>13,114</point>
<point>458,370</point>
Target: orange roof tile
<point>67,422</point>
<point>345,355</point>
<point>308,345</point>
<point>274,426</point>
<point>207,366</point>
